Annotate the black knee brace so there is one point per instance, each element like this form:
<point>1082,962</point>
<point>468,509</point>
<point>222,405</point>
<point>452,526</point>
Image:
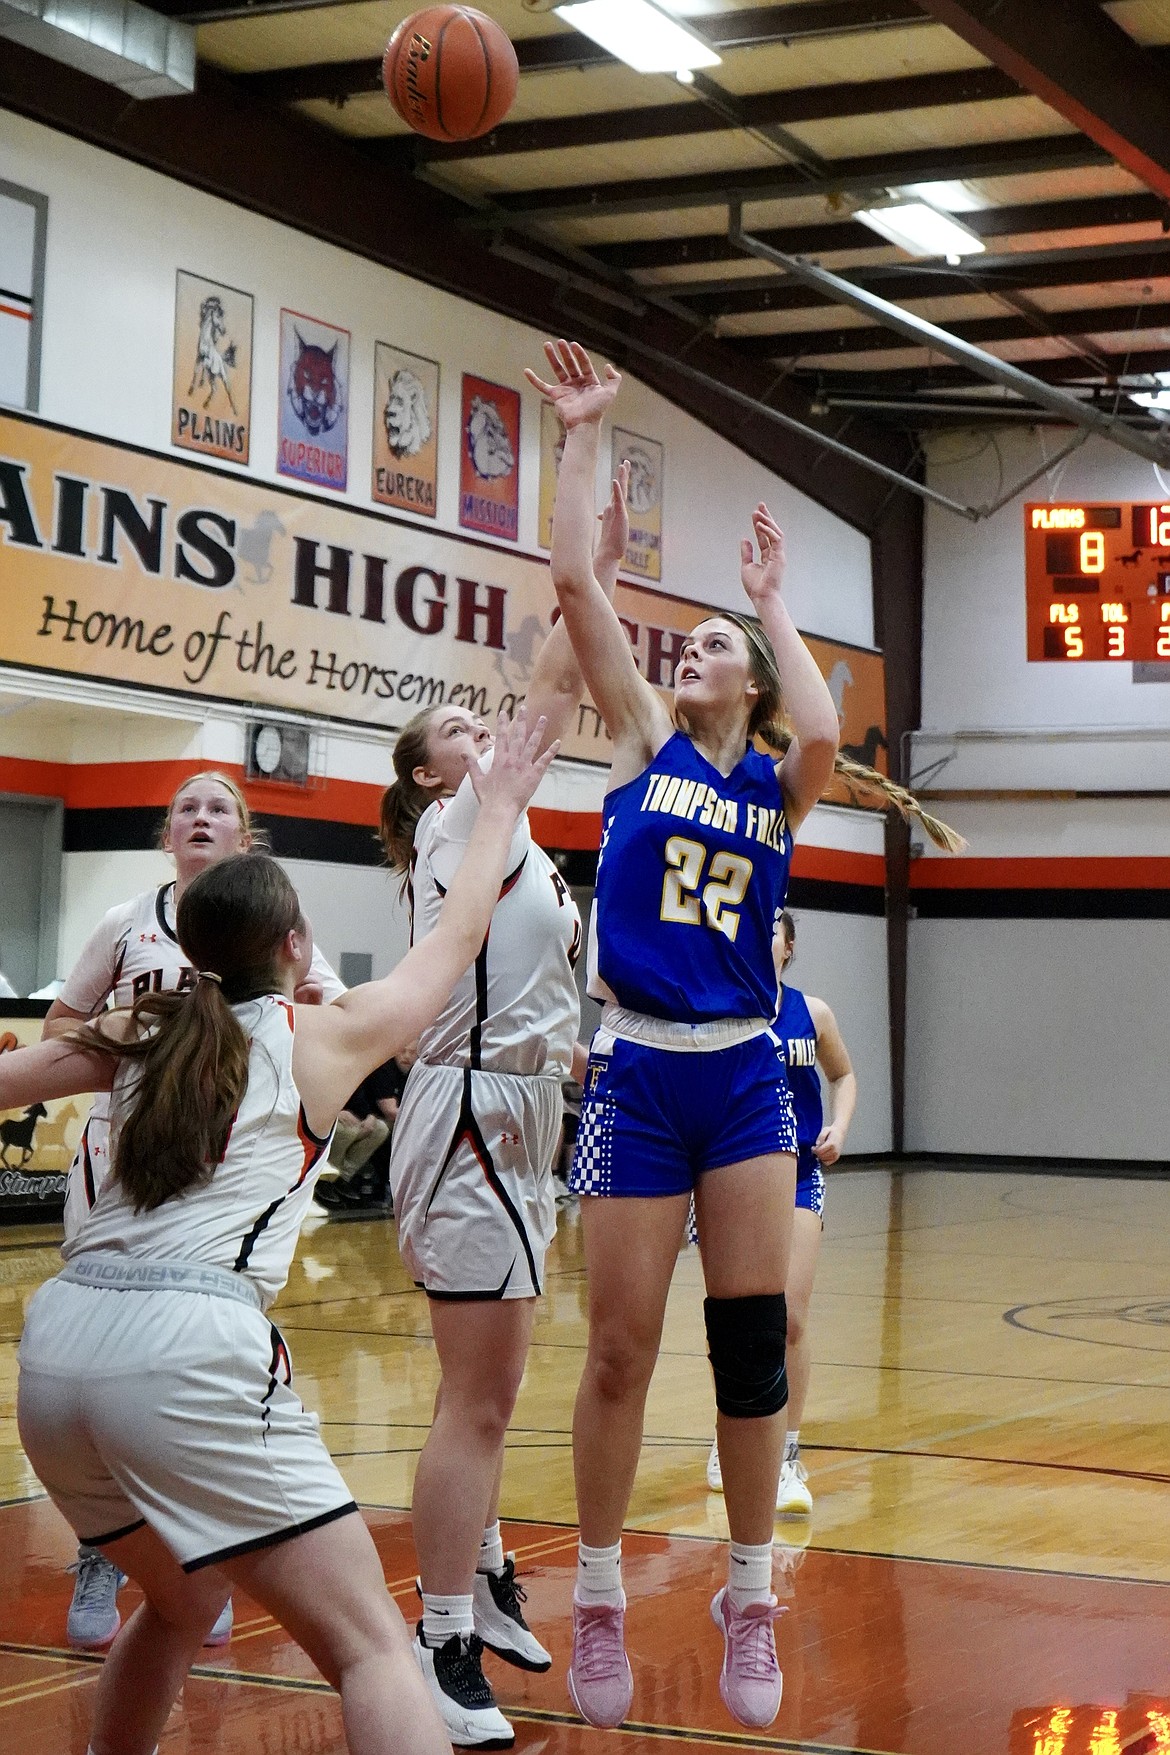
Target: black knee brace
<point>745,1344</point>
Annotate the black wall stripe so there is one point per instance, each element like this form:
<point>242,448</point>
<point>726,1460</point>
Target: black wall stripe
<point>129,828</point>
<point>1040,904</point>
<point>831,897</point>
<point>132,827</point>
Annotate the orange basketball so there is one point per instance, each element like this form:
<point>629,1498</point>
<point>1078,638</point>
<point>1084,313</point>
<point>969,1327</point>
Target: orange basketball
<point>450,72</point>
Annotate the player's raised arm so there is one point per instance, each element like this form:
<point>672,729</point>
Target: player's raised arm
<point>53,1068</point>
<point>557,683</point>
<point>369,1024</point>
<point>808,766</point>
<point>632,712</point>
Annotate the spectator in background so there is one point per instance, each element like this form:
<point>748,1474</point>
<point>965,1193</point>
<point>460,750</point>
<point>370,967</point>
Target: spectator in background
<point>361,1146</point>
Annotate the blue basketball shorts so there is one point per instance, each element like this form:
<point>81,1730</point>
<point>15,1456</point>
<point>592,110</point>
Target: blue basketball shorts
<point>810,1182</point>
<point>654,1119</point>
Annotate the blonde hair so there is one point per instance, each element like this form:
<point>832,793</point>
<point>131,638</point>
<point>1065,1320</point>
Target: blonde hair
<point>768,723</point>
<point>256,837</point>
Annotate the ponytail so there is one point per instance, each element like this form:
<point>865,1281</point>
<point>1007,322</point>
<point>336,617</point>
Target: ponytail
<point>192,1057</point>
<point>191,1052</point>
<point>404,801</point>
<point>767,722</point>
<point>868,780</point>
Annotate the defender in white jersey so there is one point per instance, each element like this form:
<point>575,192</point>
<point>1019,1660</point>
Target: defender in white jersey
<point>154,1397</point>
<point>471,1173</point>
<point>135,950</point>
<point>480,1119</point>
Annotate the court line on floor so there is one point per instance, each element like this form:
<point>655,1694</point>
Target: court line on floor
<point>1008,1462</point>
<point>520,1714</point>
<point>1096,1394</point>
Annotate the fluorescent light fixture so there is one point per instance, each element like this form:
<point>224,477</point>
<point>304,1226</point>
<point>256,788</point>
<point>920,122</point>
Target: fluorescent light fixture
<point>952,196</point>
<point>645,38</point>
<point>1158,401</point>
<point>921,230</point>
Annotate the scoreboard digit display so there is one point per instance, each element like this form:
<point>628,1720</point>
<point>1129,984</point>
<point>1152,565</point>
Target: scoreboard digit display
<point>1098,582</point>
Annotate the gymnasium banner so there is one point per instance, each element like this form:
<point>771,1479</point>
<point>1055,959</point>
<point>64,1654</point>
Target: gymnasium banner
<point>124,565</point>
<point>313,420</point>
<point>489,459</point>
<point>406,431</point>
<point>646,458</point>
<point>211,397</point>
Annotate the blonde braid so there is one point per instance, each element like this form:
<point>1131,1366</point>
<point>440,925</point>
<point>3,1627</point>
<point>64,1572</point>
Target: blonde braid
<point>900,798</point>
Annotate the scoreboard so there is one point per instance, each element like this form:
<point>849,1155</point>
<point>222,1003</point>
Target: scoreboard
<point>1098,582</point>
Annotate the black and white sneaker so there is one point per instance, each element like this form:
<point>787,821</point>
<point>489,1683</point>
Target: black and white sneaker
<point>454,1674</point>
<point>495,1603</point>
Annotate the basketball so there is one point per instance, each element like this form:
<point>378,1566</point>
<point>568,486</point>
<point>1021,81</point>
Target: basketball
<point>450,72</point>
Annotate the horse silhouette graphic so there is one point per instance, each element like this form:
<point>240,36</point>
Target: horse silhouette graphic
<point>19,1134</point>
<point>255,543</point>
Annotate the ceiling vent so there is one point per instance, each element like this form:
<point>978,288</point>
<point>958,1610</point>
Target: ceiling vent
<point>141,52</point>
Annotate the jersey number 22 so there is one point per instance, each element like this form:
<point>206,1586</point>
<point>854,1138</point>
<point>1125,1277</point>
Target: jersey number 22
<point>728,876</point>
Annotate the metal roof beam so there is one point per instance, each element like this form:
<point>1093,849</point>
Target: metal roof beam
<point>1129,367</point>
<point>863,176</point>
<point>670,121</point>
<point>849,234</point>
<point>1015,271</point>
<point>1096,320</point>
<point>1071,54</point>
<point>1154,447</point>
<point>567,50</point>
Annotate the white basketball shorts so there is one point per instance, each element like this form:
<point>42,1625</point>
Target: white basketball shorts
<point>471,1176</point>
<point>173,1409</point>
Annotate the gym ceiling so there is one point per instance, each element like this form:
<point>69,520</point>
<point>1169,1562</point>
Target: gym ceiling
<point>602,205</point>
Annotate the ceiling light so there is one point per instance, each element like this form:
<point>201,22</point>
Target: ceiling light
<point>1158,401</point>
<point>921,230</point>
<point>953,196</point>
<point>645,38</point>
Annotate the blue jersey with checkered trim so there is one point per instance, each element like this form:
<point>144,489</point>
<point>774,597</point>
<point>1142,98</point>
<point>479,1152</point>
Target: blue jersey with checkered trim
<point>797,1035</point>
<point>691,879</point>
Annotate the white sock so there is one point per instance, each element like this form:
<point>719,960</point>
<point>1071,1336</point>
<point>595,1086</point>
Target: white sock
<point>443,1616</point>
<point>599,1575</point>
<point>491,1550</point>
<point>749,1574</point>
<point>792,1446</point>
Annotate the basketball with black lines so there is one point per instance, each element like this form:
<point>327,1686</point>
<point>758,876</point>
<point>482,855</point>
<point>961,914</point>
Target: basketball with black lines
<point>450,72</point>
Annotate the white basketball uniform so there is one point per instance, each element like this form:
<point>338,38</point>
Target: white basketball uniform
<point>153,1389</point>
<point>477,1131</point>
<point>132,951</point>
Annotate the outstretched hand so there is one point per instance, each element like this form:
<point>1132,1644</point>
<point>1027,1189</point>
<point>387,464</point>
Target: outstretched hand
<point>614,536</point>
<point>577,393</point>
<point>762,579</point>
<point>517,766</point>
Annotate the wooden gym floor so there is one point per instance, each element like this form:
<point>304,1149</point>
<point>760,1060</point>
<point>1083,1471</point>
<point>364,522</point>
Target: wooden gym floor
<point>987,1566</point>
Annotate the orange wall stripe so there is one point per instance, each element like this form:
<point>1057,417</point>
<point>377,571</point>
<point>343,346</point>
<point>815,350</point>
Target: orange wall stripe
<point>123,785</point>
<point>1133,873</point>
<point>838,866</point>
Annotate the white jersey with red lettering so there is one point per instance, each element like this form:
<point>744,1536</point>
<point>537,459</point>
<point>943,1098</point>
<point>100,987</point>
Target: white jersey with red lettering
<point>471,1161</point>
<point>517,1009</point>
<point>133,950</point>
<point>247,1217</point>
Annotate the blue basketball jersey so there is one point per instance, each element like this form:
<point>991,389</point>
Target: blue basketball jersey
<point>691,879</point>
<point>797,1035</point>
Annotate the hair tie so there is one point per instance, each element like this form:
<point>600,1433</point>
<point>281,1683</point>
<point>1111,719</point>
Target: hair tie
<point>210,975</point>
